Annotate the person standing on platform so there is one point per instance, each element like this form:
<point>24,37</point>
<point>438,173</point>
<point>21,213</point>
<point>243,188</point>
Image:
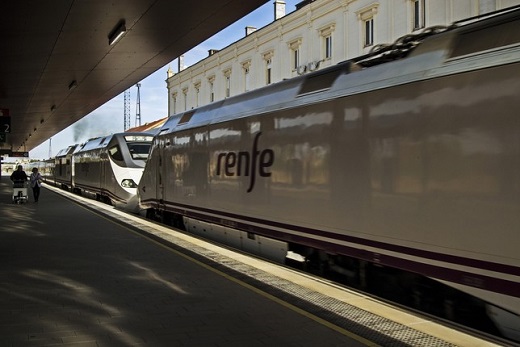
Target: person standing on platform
<point>19,175</point>
<point>36,183</point>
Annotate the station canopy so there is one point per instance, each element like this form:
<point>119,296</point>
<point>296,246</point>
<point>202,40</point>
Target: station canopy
<point>62,59</point>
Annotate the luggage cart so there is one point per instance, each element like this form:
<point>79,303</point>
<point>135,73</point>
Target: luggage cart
<point>20,192</point>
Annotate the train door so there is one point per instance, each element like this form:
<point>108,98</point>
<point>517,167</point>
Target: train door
<point>160,175</point>
<point>104,172</point>
<point>72,172</point>
<point>108,152</point>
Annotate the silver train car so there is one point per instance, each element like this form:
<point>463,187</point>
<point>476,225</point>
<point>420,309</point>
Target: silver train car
<point>110,167</point>
<point>404,159</point>
<point>62,173</point>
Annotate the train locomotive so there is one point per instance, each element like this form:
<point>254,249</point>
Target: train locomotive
<point>407,158</point>
<point>110,167</point>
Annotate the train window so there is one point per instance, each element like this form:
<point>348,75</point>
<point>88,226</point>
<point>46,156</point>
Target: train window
<point>164,131</point>
<point>320,81</point>
<point>186,117</point>
<point>139,151</point>
<point>115,153</point>
<point>482,39</point>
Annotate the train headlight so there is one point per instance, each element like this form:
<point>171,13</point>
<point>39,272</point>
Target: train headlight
<point>128,183</point>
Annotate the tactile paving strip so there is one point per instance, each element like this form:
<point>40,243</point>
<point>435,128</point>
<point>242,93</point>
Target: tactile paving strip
<point>377,329</point>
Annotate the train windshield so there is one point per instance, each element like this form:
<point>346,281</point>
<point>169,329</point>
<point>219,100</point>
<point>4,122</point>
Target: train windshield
<point>139,150</point>
<point>139,146</point>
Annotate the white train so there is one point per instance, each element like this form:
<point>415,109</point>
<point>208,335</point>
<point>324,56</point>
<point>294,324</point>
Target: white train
<point>405,161</point>
<point>110,167</point>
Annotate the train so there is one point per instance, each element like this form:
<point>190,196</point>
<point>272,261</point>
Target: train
<point>107,168</point>
<point>400,167</point>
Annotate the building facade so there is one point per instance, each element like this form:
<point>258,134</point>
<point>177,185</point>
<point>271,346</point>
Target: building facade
<point>317,34</point>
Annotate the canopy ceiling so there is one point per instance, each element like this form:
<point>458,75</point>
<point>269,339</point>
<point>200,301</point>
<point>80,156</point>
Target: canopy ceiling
<point>57,65</point>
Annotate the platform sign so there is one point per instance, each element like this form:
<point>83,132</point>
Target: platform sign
<point>20,154</point>
<point>5,124</point>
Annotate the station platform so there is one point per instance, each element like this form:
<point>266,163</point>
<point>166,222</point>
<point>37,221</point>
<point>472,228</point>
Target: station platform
<point>76,272</point>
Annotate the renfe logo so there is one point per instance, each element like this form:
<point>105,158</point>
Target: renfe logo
<point>245,163</point>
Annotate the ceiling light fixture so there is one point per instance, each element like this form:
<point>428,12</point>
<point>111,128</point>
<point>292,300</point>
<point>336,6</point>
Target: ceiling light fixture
<point>53,107</point>
<point>117,33</point>
<point>73,85</point>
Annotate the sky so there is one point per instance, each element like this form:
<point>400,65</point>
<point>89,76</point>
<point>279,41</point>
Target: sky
<point>109,118</point>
